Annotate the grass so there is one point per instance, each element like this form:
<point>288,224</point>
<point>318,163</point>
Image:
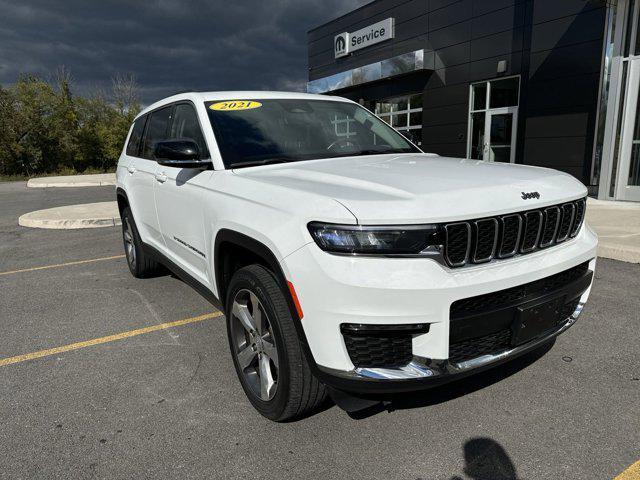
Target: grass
<point>60,172</point>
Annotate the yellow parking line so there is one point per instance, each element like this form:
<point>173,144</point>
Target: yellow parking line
<point>631,473</point>
<point>58,265</point>
<point>110,338</point>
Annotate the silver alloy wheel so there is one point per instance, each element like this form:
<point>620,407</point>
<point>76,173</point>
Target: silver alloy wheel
<point>129,247</point>
<point>254,344</point>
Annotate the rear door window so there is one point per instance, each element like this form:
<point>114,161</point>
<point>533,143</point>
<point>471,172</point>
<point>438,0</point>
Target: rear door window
<point>157,128</point>
<point>133,147</point>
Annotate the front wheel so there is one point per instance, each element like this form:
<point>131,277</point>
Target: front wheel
<point>266,350</point>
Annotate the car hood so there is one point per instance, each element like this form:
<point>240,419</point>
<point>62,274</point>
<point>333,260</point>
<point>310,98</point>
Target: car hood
<point>421,188</point>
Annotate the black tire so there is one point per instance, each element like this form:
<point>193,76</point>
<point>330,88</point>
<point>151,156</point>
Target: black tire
<point>298,392</point>
<point>140,265</point>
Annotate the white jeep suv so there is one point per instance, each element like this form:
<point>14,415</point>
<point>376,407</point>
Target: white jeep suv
<point>344,258</point>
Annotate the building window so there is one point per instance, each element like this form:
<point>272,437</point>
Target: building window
<point>493,118</point>
<point>404,114</point>
<point>623,110</point>
<point>342,126</point>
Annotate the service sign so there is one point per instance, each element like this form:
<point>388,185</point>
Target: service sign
<point>345,43</point>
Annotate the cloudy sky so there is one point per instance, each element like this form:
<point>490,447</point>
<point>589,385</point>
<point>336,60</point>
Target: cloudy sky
<point>168,45</point>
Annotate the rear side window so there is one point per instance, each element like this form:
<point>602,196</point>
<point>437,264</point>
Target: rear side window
<point>185,126</point>
<point>157,127</point>
<point>133,147</point>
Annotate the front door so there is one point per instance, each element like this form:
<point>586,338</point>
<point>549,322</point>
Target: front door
<point>179,199</point>
<point>629,172</point>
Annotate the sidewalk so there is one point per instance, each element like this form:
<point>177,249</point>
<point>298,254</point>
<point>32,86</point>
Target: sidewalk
<point>618,227</point>
<point>94,180</point>
<point>88,215</point>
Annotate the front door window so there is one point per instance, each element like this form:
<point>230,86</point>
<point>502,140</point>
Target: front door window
<point>493,119</point>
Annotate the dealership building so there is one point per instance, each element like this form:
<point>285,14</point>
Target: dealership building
<point>552,83</point>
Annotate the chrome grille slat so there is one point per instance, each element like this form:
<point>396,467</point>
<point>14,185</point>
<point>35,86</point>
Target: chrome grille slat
<point>509,242</point>
<point>457,254</point>
<point>568,211</point>
<point>532,229</point>
<point>485,239</point>
<point>501,237</point>
<point>578,218</point>
<point>550,226</point>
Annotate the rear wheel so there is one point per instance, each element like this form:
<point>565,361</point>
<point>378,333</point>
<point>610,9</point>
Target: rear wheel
<point>266,349</point>
<point>140,265</point>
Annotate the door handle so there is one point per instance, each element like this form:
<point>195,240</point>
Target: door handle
<point>161,177</point>
<point>131,169</point>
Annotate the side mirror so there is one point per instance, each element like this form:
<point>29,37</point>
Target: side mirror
<point>179,154</point>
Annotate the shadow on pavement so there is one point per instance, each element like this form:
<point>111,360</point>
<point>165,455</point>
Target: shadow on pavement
<point>486,459</point>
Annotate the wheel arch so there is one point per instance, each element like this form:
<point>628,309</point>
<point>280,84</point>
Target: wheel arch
<point>257,250</point>
<point>231,242</point>
<point>122,199</point>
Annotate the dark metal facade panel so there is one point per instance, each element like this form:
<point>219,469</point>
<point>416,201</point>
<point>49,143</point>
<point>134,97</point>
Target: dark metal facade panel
<point>498,21</point>
<point>554,45</point>
<point>566,31</point>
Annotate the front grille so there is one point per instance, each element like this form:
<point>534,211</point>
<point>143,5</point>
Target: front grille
<point>496,300</point>
<point>478,241</point>
<point>371,351</point>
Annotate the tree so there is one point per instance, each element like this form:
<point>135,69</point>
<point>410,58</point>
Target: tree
<point>44,127</point>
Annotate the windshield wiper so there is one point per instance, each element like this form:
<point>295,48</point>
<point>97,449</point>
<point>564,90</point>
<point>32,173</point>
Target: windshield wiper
<point>378,151</point>
<point>253,163</point>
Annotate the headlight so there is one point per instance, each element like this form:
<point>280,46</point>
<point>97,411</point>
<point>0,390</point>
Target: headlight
<point>382,240</point>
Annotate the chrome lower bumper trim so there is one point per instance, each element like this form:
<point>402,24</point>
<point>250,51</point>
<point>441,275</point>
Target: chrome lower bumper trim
<point>421,368</point>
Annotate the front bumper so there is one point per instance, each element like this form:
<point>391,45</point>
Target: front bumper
<point>335,290</point>
<point>424,373</point>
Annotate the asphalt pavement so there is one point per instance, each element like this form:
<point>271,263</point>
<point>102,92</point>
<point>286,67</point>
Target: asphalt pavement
<point>167,404</point>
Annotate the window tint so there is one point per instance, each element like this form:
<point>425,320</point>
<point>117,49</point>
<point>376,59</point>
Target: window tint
<point>133,147</point>
<point>156,130</point>
<point>296,130</point>
<point>185,126</point>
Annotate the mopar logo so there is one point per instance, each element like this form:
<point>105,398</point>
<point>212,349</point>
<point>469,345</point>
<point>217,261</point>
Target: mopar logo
<point>348,42</point>
<point>529,195</point>
<point>340,45</point>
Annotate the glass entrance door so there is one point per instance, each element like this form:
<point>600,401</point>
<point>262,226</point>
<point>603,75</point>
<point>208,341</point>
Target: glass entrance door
<point>500,133</point>
<point>493,117</point>
<point>629,172</point>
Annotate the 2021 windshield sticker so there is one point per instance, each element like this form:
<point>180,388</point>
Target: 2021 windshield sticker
<point>235,105</point>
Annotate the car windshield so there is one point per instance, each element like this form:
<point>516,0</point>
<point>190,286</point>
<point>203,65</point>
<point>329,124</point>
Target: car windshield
<point>258,132</point>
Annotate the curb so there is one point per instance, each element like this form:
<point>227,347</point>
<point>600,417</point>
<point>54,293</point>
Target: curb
<point>623,254</point>
<point>72,217</point>
<point>94,180</point>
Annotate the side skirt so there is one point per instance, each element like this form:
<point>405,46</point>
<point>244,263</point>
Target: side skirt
<point>183,275</point>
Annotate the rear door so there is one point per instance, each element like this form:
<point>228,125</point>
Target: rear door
<point>178,195</point>
<point>142,171</point>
